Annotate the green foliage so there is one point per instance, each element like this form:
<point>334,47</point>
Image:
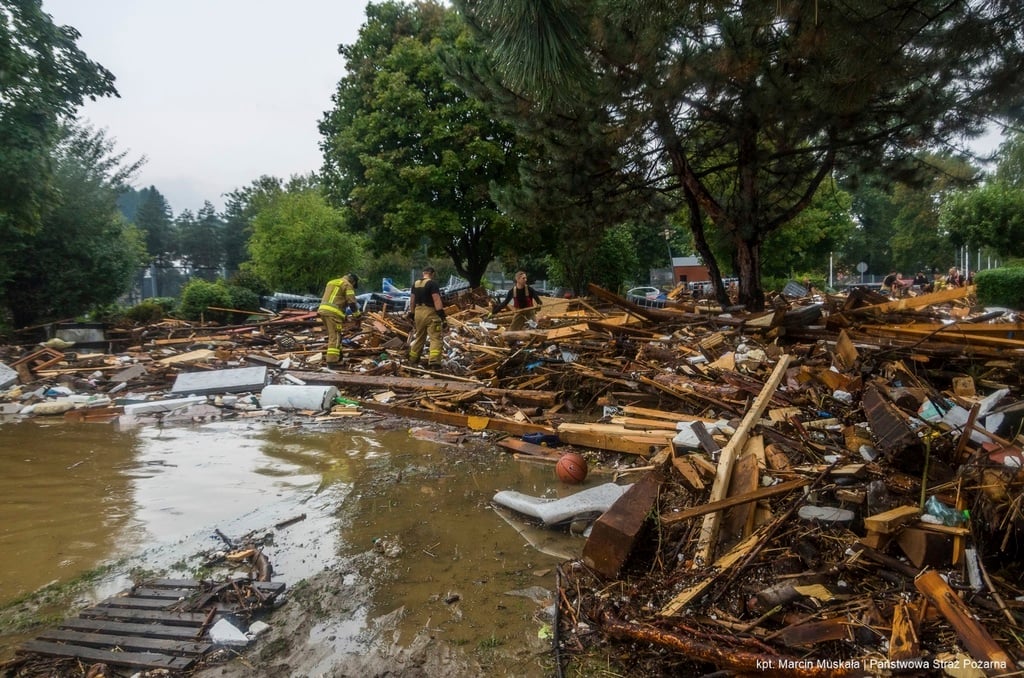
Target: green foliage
<point>83,254</point>
<point>805,242</point>
<point>147,312</point>
<point>168,304</point>
<point>299,242</point>
<point>1010,170</point>
<point>918,241</point>
<point>44,79</point>
<point>199,295</point>
<point>153,217</point>
<point>249,280</point>
<point>201,242</point>
<point>410,154</point>
<point>240,206</point>
<point>242,298</point>
<point>402,270</point>
<point>611,263</point>
<point>1001,287</point>
<point>991,216</point>
<point>744,109</point>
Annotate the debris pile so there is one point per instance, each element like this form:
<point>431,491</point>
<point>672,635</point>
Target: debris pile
<point>831,487</point>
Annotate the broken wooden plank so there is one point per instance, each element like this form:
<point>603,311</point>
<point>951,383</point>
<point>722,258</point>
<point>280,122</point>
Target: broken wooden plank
<point>642,442</point>
<point>920,301</point>
<point>811,633</point>
<point>903,642</point>
<point>719,567</point>
<point>892,520</point>
<point>722,504</point>
<point>137,660</point>
<point>924,548</point>
<point>522,397</point>
<point>691,476</point>
<point>532,449</point>
<point>738,520</point>
<point>126,643</point>
<point>709,531</point>
<point>975,637</point>
<point>453,419</point>
<point>128,628</point>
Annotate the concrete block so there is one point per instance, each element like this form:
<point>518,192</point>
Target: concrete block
<point>7,376</point>
<point>239,380</point>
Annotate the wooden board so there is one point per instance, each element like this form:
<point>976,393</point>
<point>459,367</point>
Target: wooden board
<point>975,637</point>
<point>892,520</point>
<point>708,539</point>
<point>142,629</point>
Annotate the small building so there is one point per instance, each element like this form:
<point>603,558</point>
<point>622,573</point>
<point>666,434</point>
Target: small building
<point>688,270</point>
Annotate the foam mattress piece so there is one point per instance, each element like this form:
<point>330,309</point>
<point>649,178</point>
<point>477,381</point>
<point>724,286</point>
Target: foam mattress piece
<point>590,502</point>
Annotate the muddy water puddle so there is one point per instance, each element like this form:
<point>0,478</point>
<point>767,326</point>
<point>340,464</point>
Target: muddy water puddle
<point>405,520</point>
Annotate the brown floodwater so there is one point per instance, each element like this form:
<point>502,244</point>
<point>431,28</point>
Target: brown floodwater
<point>409,518</point>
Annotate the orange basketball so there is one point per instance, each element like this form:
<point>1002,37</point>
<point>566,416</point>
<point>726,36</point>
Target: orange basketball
<point>571,468</point>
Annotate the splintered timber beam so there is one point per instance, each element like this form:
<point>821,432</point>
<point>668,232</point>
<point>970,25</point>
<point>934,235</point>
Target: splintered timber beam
<point>709,530</point>
<point>452,419</point>
<point>522,397</point>
<point>975,637</point>
<point>729,502</point>
<point>724,657</point>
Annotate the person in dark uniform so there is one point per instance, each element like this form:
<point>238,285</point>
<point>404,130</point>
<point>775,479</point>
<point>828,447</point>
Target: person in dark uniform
<point>524,300</point>
<point>427,312</point>
<point>337,305</point>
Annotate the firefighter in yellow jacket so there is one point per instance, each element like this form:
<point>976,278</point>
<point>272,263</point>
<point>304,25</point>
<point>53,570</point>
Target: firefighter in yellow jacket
<point>338,305</point>
<point>428,317</point>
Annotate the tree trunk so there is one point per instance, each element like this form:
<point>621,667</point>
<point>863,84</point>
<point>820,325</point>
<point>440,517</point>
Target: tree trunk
<point>703,249</point>
<point>748,270</point>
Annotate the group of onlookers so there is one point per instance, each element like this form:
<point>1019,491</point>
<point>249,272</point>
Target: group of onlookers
<point>896,285</point>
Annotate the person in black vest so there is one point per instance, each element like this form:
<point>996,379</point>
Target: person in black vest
<point>524,299</point>
<point>427,313</point>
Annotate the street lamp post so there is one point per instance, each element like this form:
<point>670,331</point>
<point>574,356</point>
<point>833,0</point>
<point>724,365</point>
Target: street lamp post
<point>668,241</point>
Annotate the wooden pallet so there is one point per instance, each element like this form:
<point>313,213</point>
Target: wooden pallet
<point>161,624</point>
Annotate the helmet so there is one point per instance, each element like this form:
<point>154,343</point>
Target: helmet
<point>354,279</point>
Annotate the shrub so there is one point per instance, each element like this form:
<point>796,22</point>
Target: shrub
<point>249,280</point>
<point>1001,287</point>
<point>166,303</point>
<point>243,298</point>
<point>146,312</point>
<point>199,295</point>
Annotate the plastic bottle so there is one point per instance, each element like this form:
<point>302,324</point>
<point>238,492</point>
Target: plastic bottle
<point>945,514</point>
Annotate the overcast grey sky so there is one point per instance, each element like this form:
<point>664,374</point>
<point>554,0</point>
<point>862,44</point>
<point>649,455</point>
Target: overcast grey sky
<point>215,93</point>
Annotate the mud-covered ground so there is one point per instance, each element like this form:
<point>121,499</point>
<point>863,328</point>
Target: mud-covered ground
<point>425,580</point>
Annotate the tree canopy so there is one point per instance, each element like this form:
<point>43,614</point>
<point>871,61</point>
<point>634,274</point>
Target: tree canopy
<point>409,153</point>
<point>299,242</point>
<point>44,79</point>
<point>992,215</point>
<point>746,108</point>
<point>84,252</point>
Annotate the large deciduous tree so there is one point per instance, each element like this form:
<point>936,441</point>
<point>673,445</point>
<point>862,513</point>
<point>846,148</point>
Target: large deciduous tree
<point>84,252</point>
<point>992,215</point>
<point>241,206</point>
<point>751,105</point>
<point>44,79</point>
<point>407,151</point>
<point>299,242</point>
